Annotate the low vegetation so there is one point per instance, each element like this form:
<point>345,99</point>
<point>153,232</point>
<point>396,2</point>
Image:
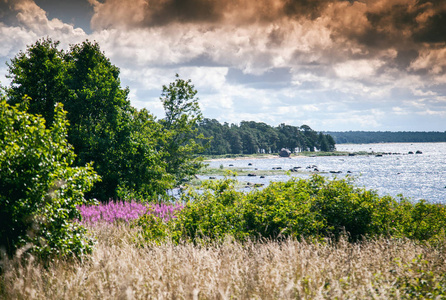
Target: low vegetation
<point>316,208</point>
<point>313,238</point>
<point>119,269</point>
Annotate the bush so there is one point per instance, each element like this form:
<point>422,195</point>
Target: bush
<point>39,190</point>
<point>315,208</point>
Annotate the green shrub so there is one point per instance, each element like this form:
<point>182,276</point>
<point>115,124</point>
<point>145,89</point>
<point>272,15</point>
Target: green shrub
<point>344,208</point>
<point>153,229</point>
<point>39,190</point>
<point>314,208</point>
<point>282,209</point>
<point>422,220</point>
<point>417,281</point>
<point>211,214</point>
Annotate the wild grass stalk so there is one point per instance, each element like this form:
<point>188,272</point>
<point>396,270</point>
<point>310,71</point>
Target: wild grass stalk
<point>118,269</point>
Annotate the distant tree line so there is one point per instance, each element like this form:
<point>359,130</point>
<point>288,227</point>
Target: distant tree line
<point>366,137</point>
<point>251,137</point>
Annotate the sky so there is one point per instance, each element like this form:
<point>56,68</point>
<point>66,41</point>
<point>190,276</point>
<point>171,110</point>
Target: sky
<point>335,65</point>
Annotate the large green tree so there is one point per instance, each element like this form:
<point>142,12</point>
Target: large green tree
<point>144,174</point>
<point>180,140</point>
<point>99,112</point>
<point>40,74</point>
<point>104,128</point>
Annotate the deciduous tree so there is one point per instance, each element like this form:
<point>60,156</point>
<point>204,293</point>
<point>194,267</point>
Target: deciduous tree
<point>104,128</point>
<point>39,188</point>
<point>180,129</point>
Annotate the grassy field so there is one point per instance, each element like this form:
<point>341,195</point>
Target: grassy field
<point>118,269</point>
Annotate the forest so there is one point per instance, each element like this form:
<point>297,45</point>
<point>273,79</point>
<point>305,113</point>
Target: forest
<point>367,137</point>
<point>251,137</point>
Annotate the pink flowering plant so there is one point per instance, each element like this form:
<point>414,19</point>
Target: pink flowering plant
<point>126,211</point>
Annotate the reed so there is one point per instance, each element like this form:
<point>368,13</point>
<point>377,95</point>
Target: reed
<point>118,269</point>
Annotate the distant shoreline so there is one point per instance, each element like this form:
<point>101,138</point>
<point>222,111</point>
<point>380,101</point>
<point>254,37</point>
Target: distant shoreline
<point>247,157</point>
<point>273,156</point>
<point>379,137</point>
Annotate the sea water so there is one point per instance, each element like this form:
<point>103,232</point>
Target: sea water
<point>414,176</point>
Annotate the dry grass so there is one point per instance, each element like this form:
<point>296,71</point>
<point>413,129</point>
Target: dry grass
<point>118,269</point>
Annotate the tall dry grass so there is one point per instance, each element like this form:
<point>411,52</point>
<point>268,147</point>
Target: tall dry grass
<point>381,269</point>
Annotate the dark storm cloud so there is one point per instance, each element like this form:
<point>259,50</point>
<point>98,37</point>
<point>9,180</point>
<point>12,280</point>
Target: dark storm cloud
<point>183,11</point>
<point>393,22</point>
<point>162,12</point>
<point>210,11</point>
<point>311,9</point>
<point>434,31</point>
<point>422,22</point>
<point>405,57</point>
<point>78,12</point>
<point>6,16</point>
<point>272,79</point>
<point>409,27</point>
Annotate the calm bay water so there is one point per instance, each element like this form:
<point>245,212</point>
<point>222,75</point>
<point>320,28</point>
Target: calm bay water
<point>415,176</point>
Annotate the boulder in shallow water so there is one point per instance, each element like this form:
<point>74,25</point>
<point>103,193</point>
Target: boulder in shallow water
<point>284,152</point>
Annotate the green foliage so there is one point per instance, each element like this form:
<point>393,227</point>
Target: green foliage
<point>123,143</point>
<point>39,190</point>
<point>38,73</point>
<point>143,173</point>
<point>98,110</point>
<point>153,229</point>
<point>420,221</point>
<point>180,135</point>
<point>417,281</point>
<point>314,208</point>
<point>257,137</point>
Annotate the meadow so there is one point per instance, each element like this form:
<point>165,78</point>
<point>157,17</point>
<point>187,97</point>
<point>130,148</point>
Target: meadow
<point>291,269</point>
<point>192,250</point>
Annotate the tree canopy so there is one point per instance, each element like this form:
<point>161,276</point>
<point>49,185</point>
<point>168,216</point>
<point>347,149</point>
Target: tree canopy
<point>256,137</point>
<point>134,154</point>
<point>179,127</point>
